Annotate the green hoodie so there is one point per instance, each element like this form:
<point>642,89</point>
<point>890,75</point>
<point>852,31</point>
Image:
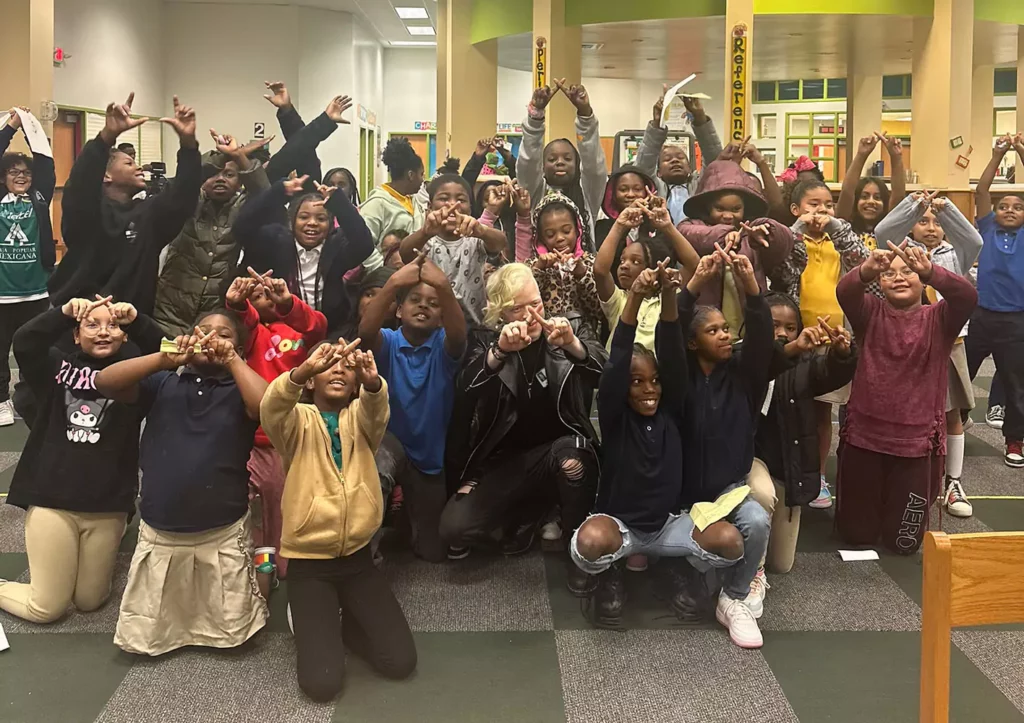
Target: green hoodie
<point>383,212</point>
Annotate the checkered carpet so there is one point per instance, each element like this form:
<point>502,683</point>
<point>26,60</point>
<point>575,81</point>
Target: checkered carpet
<point>501,641</point>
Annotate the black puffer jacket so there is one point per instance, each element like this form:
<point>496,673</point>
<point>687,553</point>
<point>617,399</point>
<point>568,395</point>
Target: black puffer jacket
<point>485,404</point>
<point>787,438</point>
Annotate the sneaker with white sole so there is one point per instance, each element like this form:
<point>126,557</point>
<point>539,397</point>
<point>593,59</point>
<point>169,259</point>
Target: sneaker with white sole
<point>736,616</point>
<point>291,626</point>
<point>636,563</point>
<point>6,413</point>
<point>758,588</point>
<point>956,500</point>
<point>994,416</point>
<point>1014,454</point>
<point>824,499</point>
<point>551,531</point>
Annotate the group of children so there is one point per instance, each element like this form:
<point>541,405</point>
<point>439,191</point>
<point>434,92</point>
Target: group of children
<point>433,363</point>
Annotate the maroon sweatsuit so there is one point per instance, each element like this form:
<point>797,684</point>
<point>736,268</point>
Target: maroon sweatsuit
<point>893,444</point>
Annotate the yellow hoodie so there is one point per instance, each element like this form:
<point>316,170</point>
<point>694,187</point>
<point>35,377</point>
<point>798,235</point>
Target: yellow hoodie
<point>326,512</point>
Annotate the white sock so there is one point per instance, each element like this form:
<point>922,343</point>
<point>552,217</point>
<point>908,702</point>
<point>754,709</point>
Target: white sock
<point>954,455</point>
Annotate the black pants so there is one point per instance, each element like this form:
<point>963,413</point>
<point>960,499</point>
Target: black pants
<point>1001,334</point>
<point>372,624</point>
<point>424,497</point>
<point>12,316</point>
<point>510,481</point>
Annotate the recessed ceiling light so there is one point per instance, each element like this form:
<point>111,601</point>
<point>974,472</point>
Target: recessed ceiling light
<point>420,29</point>
<point>412,13</point>
<point>413,43</point>
<point>592,46</point>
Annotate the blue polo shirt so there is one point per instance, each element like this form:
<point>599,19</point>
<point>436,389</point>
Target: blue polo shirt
<point>194,451</point>
<point>1000,267</point>
<point>421,385</point>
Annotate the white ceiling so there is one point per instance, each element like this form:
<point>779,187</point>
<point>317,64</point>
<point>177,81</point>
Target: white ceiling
<point>379,15</point>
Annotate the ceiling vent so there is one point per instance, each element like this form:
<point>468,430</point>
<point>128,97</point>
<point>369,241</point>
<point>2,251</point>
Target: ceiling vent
<point>592,47</point>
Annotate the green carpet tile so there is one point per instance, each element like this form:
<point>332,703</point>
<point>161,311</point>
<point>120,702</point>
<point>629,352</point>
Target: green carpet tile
<point>502,641</point>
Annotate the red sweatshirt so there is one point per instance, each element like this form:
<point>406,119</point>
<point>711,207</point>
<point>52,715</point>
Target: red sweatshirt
<point>898,402</point>
<point>281,345</point>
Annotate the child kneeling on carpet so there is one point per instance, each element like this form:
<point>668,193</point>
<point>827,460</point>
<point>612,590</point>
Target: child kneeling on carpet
<point>893,444</point>
<point>192,580</point>
<point>331,508</point>
<point>641,413</point>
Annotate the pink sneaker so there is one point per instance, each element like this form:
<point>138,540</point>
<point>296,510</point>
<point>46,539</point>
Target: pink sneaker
<point>636,563</point>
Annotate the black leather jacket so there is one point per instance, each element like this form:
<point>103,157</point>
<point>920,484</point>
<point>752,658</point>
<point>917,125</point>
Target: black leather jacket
<point>485,407</point>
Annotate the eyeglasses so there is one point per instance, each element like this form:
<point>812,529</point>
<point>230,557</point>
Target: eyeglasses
<point>19,173</point>
<point>905,272</point>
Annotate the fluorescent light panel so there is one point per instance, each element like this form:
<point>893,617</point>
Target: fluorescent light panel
<point>412,13</point>
<point>413,43</point>
<point>420,29</point>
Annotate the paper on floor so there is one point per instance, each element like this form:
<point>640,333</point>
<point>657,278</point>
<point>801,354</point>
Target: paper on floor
<point>4,645</point>
<point>855,555</point>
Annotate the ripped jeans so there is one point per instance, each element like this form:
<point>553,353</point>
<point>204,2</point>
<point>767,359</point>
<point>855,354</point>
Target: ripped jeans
<point>564,471</point>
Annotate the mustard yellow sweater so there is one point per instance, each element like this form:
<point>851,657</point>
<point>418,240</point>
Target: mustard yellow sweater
<point>326,513</point>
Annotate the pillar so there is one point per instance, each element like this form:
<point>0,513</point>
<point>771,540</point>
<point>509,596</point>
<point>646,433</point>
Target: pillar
<point>1019,176</point>
<point>441,112</point>
<point>26,75</point>
<point>942,68</point>
<point>564,60</point>
<point>739,53</point>
<point>982,108</point>
<point>470,90</point>
<point>863,87</point>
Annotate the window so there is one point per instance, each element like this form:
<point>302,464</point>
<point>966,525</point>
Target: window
<point>767,126</point>
<point>817,136</point>
<point>837,87</point>
<point>1005,121</point>
<point>764,92</point>
<point>789,90</point>
<point>813,90</point>
<point>896,86</point>
<point>1005,81</point>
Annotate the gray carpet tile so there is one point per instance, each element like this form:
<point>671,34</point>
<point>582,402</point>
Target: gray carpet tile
<point>987,368</point>
<point>988,434</point>
<point>824,593</point>
<point>9,459</point>
<point>999,654</point>
<point>990,476</point>
<point>956,525</point>
<point>480,593</point>
<point>12,528</point>
<point>255,682</point>
<point>665,676</point>
<point>103,620</point>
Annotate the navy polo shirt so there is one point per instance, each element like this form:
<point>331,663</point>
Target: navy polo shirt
<point>194,451</point>
<point>421,386</point>
<point>1000,267</point>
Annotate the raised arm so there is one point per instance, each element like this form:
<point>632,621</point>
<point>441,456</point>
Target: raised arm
<point>897,224</point>
<point>120,381</point>
<point>475,164</point>
<point>604,274</point>
<point>260,212</point>
<point>982,194</point>
<point>773,241</point>
<point>593,164</point>
<point>703,129</point>
<point>850,290</point>
<point>684,251</point>
<point>960,296</point>
<point>358,241</point>
<point>648,154</point>
<point>451,313</point>
<point>897,174</point>
<point>772,191</point>
<point>32,342</point>
<point>961,233</point>
<point>847,196</point>
<point>530,164</point>
<point>177,203</point>
<point>613,389</point>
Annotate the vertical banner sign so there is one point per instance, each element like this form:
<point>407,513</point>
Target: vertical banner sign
<point>540,65</point>
<point>738,100</point>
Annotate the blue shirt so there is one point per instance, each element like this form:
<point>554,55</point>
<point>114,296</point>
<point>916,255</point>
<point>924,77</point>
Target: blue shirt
<point>1000,267</point>
<point>421,384</point>
<point>194,451</point>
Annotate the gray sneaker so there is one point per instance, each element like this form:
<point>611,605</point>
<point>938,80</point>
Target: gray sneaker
<point>994,416</point>
<point>6,413</point>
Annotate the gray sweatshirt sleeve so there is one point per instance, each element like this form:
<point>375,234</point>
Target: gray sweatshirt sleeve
<point>962,236</point>
<point>897,223</point>
<point>649,152</point>
<point>530,163</point>
<point>593,166</point>
<point>708,140</point>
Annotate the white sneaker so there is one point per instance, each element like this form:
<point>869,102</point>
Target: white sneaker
<point>291,625</point>
<point>824,499</point>
<point>551,531</point>
<point>956,500</point>
<point>758,588</point>
<point>736,616</point>
<point>994,416</point>
<point>6,413</point>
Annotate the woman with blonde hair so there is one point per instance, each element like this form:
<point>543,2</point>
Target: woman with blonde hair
<point>528,381</point>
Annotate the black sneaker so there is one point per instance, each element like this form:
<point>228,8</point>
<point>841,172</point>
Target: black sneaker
<point>580,583</point>
<point>610,596</point>
<point>520,540</point>
<point>686,591</point>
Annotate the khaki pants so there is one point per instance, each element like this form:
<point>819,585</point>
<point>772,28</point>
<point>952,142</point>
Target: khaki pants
<point>71,558</point>
<point>785,520</point>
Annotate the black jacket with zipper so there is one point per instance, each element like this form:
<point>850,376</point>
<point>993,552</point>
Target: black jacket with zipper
<point>44,180</point>
<point>269,244</point>
<point>722,407</point>
<point>485,401</point>
<point>787,437</point>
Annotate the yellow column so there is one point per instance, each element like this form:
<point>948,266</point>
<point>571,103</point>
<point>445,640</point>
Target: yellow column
<point>470,92</point>
<point>26,75</point>
<point>982,108</point>
<point>441,113</point>
<point>564,58</point>
<point>943,61</point>
<point>863,88</point>
<point>1019,176</point>
<point>738,93</point>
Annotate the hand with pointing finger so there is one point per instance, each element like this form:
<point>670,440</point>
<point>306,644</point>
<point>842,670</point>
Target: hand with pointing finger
<point>278,96</point>
<point>558,330</point>
<point>842,342</point>
<point>916,259</point>
<point>119,120</point>
<point>183,121</point>
<point>79,309</point>
<point>514,336</point>
<point>366,370</point>
<point>294,185</point>
<point>338,105</point>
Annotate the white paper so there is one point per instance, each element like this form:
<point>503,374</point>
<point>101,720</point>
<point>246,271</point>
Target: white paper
<point>4,645</point>
<point>856,555</point>
<point>671,93</point>
<point>768,399</point>
<point>34,133</point>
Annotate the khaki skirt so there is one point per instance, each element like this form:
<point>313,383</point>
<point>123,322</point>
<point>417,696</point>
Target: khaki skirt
<point>190,588</point>
<point>960,392</point>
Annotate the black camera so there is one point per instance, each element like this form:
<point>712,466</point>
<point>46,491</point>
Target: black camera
<point>157,177</point>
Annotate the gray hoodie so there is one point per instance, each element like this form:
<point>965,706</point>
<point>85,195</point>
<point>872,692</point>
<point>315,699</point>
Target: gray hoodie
<point>956,254</point>
<point>648,156</point>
